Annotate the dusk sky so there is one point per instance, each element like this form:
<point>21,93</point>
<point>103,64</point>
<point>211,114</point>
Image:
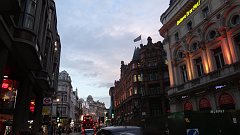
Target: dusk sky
<point>96,35</point>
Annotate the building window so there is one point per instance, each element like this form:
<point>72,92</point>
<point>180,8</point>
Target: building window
<point>135,90</point>
<point>235,20</point>
<point>28,14</point>
<point>194,46</point>
<point>219,58</point>
<point>184,73</point>
<point>134,78</point>
<point>205,12</point>
<point>212,34</point>
<point>176,36</point>
<point>50,17</point>
<point>140,78</point>
<point>189,25</point>
<point>199,66</point>
<point>180,55</point>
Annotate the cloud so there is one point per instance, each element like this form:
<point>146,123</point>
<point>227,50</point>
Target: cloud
<point>96,35</point>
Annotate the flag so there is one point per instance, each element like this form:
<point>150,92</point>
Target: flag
<point>137,39</point>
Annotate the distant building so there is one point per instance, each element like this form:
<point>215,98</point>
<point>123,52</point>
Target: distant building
<point>202,40</point>
<point>139,95</point>
<point>63,104</point>
<point>94,108</point>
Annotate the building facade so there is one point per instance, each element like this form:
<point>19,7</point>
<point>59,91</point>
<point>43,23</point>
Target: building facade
<point>63,105</point>
<point>96,109</point>
<point>202,39</point>
<point>139,95</point>
<point>29,62</point>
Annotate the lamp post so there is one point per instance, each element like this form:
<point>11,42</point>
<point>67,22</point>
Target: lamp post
<point>57,112</point>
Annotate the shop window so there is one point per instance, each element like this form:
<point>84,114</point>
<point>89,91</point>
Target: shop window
<point>188,106</point>
<point>8,93</point>
<point>226,101</point>
<point>204,104</point>
<point>218,55</point>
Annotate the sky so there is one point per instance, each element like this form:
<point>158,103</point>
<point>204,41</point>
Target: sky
<point>96,35</point>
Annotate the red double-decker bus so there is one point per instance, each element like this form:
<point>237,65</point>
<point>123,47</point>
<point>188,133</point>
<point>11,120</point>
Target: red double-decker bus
<point>87,122</point>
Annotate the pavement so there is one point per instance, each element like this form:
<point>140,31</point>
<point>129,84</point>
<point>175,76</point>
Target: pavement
<point>71,134</point>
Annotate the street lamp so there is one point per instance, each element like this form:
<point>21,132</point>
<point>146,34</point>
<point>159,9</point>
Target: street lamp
<point>57,112</point>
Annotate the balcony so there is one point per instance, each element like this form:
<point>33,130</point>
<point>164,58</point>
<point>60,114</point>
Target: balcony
<point>27,48</point>
<point>229,71</point>
<point>43,80</point>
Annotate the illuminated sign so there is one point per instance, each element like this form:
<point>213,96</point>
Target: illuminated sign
<point>32,106</point>
<point>195,6</point>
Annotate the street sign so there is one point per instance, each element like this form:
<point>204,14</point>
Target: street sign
<point>47,101</point>
<point>193,131</point>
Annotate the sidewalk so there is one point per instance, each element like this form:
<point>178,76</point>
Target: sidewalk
<point>72,133</point>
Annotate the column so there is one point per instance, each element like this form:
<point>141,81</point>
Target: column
<point>21,111</point>
<point>3,61</point>
<point>37,120</point>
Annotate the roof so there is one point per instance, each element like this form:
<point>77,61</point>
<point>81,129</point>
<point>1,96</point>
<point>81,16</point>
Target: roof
<point>136,54</point>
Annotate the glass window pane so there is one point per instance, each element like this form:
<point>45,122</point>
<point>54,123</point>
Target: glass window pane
<point>28,21</point>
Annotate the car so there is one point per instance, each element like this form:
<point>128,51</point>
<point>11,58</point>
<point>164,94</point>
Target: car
<point>120,130</point>
<point>88,132</point>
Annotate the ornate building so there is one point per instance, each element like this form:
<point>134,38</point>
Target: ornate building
<point>63,104</point>
<point>29,61</point>
<point>139,95</point>
<point>202,40</point>
<point>94,108</point>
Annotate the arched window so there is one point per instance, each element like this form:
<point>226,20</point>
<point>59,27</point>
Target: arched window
<point>235,20</point>
<point>204,104</point>
<point>179,54</point>
<point>226,101</point>
<point>188,106</point>
<point>194,46</point>
<point>212,34</point>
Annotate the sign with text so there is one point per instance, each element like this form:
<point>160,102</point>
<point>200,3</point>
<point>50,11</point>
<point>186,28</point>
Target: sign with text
<point>47,101</point>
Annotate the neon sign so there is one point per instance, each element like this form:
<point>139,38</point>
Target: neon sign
<point>195,6</point>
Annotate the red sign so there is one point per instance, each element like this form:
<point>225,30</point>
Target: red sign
<point>188,106</point>
<point>32,106</point>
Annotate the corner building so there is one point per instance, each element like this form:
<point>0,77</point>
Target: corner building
<point>139,96</point>
<point>202,40</point>
<point>29,62</point>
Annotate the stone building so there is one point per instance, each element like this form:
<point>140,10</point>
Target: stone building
<point>63,105</point>
<point>139,95</point>
<point>29,61</point>
<point>202,39</point>
<point>96,109</point>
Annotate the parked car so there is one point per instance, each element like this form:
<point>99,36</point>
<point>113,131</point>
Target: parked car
<point>120,130</point>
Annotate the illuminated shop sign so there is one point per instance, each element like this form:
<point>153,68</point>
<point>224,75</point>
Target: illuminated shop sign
<point>195,6</point>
